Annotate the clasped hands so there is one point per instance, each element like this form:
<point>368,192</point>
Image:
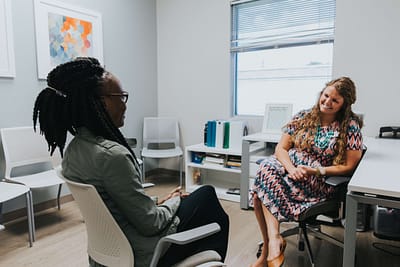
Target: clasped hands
<point>301,172</point>
<point>174,193</point>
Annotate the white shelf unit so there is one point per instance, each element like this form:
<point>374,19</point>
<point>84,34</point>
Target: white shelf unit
<point>222,178</point>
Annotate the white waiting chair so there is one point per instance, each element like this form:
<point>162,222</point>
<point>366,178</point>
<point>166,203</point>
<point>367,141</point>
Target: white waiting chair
<point>132,142</point>
<point>161,140</point>
<point>108,245</point>
<point>10,191</point>
<point>25,149</point>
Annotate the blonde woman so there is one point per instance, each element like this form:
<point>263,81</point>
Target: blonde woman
<point>324,140</point>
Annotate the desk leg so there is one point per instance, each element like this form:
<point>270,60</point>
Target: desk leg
<point>244,176</point>
<point>350,232</point>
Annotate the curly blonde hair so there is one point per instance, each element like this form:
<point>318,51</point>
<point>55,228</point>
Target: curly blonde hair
<point>306,127</point>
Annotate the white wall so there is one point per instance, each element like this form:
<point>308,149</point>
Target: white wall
<point>130,52</point>
<point>194,62</point>
<point>129,44</point>
<point>367,42</point>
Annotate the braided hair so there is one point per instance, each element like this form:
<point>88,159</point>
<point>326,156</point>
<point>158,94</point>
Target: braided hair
<point>72,99</point>
<point>306,128</point>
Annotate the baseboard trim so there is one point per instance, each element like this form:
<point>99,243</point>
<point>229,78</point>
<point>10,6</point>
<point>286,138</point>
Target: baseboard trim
<point>20,214</point>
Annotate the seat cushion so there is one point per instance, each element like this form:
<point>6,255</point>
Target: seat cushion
<point>324,207</point>
<point>199,258</point>
<point>162,153</point>
<point>39,180</point>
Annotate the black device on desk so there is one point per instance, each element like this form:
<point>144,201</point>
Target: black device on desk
<point>389,132</point>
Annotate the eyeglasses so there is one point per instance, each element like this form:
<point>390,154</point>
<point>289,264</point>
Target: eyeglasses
<point>123,96</point>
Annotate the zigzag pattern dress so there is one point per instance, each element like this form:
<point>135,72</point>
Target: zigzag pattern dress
<point>287,198</point>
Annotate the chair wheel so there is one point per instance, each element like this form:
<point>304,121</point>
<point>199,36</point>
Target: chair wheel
<point>301,245</point>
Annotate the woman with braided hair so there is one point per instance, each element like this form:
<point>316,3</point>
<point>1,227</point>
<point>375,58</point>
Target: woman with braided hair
<point>324,140</point>
<point>84,99</point>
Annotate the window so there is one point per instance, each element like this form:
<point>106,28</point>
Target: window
<point>281,52</point>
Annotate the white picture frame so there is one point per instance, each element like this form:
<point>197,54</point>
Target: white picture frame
<point>7,57</point>
<point>276,116</point>
<point>57,38</point>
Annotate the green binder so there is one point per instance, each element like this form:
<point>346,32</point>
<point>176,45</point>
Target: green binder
<point>226,134</point>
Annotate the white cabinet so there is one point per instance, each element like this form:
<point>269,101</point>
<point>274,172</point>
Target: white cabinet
<point>221,177</point>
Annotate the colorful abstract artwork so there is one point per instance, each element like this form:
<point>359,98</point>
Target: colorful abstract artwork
<point>64,32</point>
<point>68,38</point>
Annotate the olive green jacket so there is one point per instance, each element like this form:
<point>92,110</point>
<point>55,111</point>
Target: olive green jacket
<point>110,168</point>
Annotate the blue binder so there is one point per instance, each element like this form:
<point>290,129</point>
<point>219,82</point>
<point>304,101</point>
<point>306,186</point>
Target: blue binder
<point>211,128</point>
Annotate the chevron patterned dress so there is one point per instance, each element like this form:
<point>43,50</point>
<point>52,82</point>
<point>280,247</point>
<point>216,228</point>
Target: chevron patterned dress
<point>287,198</point>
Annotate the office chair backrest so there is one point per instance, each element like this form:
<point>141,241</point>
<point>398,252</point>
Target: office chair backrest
<point>340,183</point>
<point>22,146</point>
<point>107,244</point>
<point>159,131</point>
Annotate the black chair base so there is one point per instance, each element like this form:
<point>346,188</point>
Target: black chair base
<point>302,230</point>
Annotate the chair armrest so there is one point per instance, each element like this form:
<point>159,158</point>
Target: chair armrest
<point>331,180</point>
<point>258,162</point>
<point>192,234</point>
<point>183,238</point>
<point>10,181</point>
<point>337,180</point>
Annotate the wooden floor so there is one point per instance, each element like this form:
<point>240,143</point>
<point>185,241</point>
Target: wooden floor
<point>61,240</point>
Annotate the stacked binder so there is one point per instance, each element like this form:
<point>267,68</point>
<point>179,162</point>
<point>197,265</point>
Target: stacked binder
<point>224,134</point>
<point>215,158</point>
<point>234,162</point>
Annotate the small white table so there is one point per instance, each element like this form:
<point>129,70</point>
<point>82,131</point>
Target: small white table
<point>244,180</point>
<point>376,181</point>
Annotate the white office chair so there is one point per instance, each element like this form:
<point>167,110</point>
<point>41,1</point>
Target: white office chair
<point>23,148</point>
<point>108,245</point>
<point>161,140</point>
<point>10,191</point>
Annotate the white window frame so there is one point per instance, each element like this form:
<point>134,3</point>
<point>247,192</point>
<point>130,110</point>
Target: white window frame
<point>239,44</point>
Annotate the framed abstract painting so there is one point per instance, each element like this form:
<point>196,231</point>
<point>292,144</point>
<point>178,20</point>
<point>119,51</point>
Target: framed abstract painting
<point>7,59</point>
<point>64,32</point>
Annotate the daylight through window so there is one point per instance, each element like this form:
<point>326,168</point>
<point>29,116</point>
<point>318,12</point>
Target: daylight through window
<point>281,52</point>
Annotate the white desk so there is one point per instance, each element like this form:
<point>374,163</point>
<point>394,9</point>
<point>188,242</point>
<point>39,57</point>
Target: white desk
<point>376,181</point>
<point>245,170</point>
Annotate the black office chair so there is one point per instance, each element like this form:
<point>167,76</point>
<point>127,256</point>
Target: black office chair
<point>309,223</point>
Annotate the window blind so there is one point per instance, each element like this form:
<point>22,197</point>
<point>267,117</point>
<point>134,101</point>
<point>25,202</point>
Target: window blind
<point>280,23</point>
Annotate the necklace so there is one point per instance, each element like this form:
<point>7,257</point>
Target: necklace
<point>321,140</point>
